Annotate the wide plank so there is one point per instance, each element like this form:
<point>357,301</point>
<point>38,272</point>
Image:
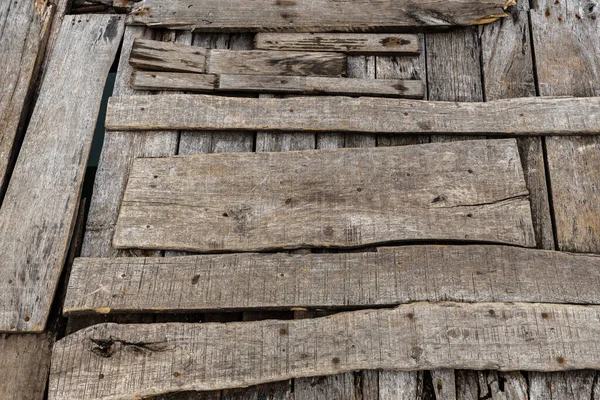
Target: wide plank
<point>391,276</point>
<point>24,29</point>
<point>175,57</point>
<point>349,43</point>
<point>523,116</point>
<point>314,15</point>
<point>190,82</point>
<point>259,201</point>
<point>170,357</point>
<point>37,216</point>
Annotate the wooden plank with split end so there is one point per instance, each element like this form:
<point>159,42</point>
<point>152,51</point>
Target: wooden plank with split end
<point>163,358</point>
<point>523,116</point>
<point>391,276</point>
<point>258,201</point>
<point>41,201</point>
<point>349,43</point>
<point>314,15</point>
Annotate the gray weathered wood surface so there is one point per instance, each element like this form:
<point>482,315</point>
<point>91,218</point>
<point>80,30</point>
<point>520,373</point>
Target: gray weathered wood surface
<point>41,201</point>
<point>524,116</point>
<point>313,15</point>
<point>391,276</point>
<point>258,201</point>
<point>349,43</point>
<point>163,358</point>
<point>176,57</point>
<point>25,364</point>
<point>24,29</point>
<point>190,82</point>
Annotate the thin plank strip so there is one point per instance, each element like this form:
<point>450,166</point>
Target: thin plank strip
<point>24,29</point>
<point>249,202</point>
<point>524,116</point>
<point>313,15</point>
<point>349,43</point>
<point>391,276</point>
<point>167,56</point>
<point>547,337</point>
<point>40,206</point>
<point>189,82</point>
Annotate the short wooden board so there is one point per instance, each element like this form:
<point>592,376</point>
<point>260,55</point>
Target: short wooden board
<point>39,210</point>
<point>313,15</point>
<point>391,276</point>
<point>162,358</point>
<point>523,116</point>
<point>472,190</point>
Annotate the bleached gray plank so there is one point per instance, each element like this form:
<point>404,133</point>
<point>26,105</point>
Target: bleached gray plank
<point>41,201</point>
<point>276,84</point>
<point>257,201</point>
<point>313,15</point>
<point>349,43</point>
<point>524,116</point>
<point>24,29</point>
<point>167,56</point>
<point>162,358</point>
<point>391,276</point>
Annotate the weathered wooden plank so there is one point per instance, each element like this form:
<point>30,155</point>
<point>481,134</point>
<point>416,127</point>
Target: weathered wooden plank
<point>313,15</point>
<point>41,201</point>
<point>224,202</point>
<point>167,56</point>
<point>549,337</point>
<point>275,84</point>
<point>349,43</point>
<point>25,364</point>
<point>24,29</point>
<point>569,385</point>
<point>389,277</point>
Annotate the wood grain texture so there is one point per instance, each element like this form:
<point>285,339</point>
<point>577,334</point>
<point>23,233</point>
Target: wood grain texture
<point>167,56</point>
<point>174,357</point>
<point>313,15</point>
<point>225,202</point>
<point>349,43</point>
<point>25,364</point>
<point>275,84</point>
<point>525,116</point>
<point>24,29</point>
<point>41,201</point>
<point>391,276</point>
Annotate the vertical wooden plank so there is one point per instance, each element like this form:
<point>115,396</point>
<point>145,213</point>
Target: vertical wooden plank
<point>566,43</point>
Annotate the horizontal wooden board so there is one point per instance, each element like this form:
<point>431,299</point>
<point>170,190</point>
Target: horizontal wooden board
<point>190,82</point>
<point>257,201</point>
<point>391,276</point>
<point>349,43</point>
<point>523,116</point>
<point>162,358</point>
<point>38,212</point>
<point>163,56</point>
<point>313,15</point>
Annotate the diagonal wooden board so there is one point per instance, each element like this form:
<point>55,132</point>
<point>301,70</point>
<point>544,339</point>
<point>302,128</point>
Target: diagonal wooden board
<point>313,15</point>
<point>41,202</point>
<point>472,190</point>
<point>162,358</point>
<point>391,276</point>
<point>24,29</point>
<point>523,116</point>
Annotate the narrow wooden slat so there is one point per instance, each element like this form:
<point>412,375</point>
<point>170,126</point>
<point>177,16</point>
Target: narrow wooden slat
<point>163,358</point>
<point>24,29</point>
<point>258,201</point>
<point>313,15</point>
<point>276,84</point>
<point>165,56</point>
<point>391,276</point>
<point>525,116</point>
<point>349,43</point>
<point>41,202</point>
